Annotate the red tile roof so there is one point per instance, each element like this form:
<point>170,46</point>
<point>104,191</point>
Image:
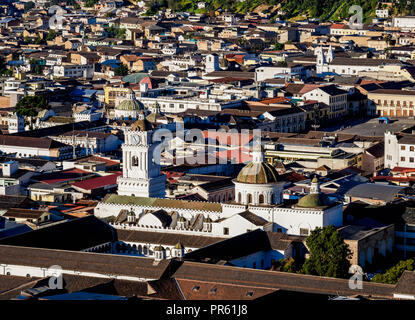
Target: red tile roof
<point>403,169</point>
<point>239,155</point>
<point>275,100</point>
<point>229,138</point>
<point>337,26</point>
<point>97,182</point>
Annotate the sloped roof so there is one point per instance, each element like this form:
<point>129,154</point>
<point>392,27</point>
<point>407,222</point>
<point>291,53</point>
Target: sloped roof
<point>77,234</point>
<point>170,239</point>
<point>98,182</point>
<point>163,203</point>
<point>107,264</point>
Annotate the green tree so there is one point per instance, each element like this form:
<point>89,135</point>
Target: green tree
<point>328,254</point>
<point>29,5</point>
<point>122,70</point>
<point>3,68</point>
<point>278,46</point>
<point>393,274</point>
<point>51,35</point>
<point>286,265</point>
<point>89,3</point>
<point>31,105</point>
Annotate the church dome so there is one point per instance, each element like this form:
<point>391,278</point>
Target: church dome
<point>141,124</point>
<point>130,105</point>
<point>315,199</point>
<point>258,173</point>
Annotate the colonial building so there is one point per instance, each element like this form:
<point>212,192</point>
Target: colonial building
<point>141,167</point>
<point>259,202</point>
<point>392,102</point>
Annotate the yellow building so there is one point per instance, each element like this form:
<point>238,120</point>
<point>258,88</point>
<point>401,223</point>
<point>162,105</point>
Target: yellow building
<point>112,93</point>
<point>394,103</point>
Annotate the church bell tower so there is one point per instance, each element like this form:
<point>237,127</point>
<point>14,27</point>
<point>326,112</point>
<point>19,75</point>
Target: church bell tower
<point>141,167</point>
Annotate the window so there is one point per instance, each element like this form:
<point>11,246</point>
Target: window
<point>213,290</point>
<point>226,231</point>
<point>402,158</point>
<point>249,294</point>
<point>411,159</point>
<point>303,232</point>
<point>196,288</point>
<point>249,198</point>
<point>411,148</point>
<point>402,147</point>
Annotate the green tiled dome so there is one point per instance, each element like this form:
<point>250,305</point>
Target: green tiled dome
<point>314,200</point>
<point>130,105</point>
<point>258,173</point>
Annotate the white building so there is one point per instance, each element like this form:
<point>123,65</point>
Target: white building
<point>178,104</point>
<point>212,63</point>
<point>405,23</point>
<point>399,150</point>
<point>15,123</point>
<point>141,169</point>
<point>327,63</point>
<point>382,13</point>
<point>258,200</point>
<point>73,71</point>
<point>332,96</point>
<point>87,115</point>
<point>265,73</point>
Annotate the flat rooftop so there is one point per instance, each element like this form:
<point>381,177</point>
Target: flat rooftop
<point>372,127</point>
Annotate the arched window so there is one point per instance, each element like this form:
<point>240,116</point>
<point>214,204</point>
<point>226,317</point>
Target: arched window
<point>261,198</point>
<point>134,161</point>
<point>249,198</point>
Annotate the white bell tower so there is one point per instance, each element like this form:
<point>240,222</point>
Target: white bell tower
<point>141,166</point>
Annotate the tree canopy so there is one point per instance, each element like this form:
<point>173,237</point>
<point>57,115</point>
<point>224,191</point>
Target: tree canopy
<point>122,70</point>
<point>31,105</point>
<point>393,274</point>
<point>328,254</point>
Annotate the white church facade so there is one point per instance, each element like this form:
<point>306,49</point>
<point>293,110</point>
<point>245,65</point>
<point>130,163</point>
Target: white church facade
<point>258,194</point>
